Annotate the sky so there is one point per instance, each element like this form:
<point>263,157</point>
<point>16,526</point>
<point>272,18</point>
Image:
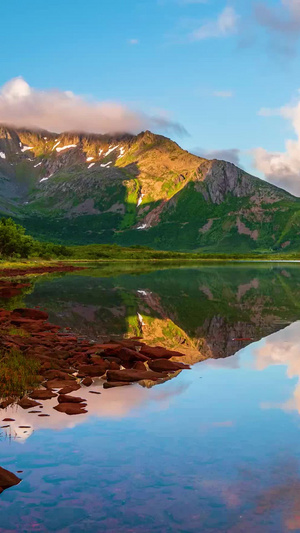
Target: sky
<point>220,77</point>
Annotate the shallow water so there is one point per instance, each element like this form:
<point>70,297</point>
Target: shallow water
<point>214,449</point>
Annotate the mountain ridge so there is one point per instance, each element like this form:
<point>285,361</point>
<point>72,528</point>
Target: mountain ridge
<point>139,189</point>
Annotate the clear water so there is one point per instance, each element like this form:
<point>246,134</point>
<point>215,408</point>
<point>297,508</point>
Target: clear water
<point>217,448</point>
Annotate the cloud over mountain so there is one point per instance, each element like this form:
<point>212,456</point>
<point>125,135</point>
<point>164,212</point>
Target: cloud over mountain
<point>56,110</point>
<point>282,168</point>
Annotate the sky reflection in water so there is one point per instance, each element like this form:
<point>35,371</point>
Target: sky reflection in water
<point>215,449</point>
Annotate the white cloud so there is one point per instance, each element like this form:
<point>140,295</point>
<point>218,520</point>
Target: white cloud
<point>223,94</point>
<point>55,110</point>
<point>133,41</point>
<point>224,25</point>
<point>282,168</point>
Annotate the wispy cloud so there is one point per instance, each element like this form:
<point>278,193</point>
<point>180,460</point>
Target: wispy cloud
<point>133,41</point>
<point>223,94</point>
<point>282,168</point>
<point>56,110</point>
<point>224,25</point>
<point>232,155</point>
<point>281,21</point>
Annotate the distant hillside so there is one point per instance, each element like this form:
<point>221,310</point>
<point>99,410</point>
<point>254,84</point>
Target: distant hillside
<point>144,189</point>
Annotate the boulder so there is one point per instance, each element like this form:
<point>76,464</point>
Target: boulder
<point>7,479</point>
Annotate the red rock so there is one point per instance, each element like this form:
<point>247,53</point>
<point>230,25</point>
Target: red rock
<point>8,420</point>
<point>59,383</point>
<point>161,365</point>
<point>32,314</point>
<point>5,403</point>
<point>157,352</point>
<point>71,408</point>
<point>94,392</point>
<point>42,394</point>
<point>64,398</point>
<point>93,370</point>
<point>26,403</point>
<point>139,366</point>
<point>127,355</point>
<point>7,479</point>
<point>43,414</point>
<point>133,375</point>
<point>70,388</point>
<point>57,374</point>
<point>112,384</point>
<point>114,366</point>
<point>87,382</point>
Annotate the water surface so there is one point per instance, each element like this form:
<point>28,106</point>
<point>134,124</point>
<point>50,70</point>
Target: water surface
<point>214,449</point>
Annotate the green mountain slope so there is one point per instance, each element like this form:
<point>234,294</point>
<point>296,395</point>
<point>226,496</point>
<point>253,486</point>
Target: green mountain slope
<point>140,189</point>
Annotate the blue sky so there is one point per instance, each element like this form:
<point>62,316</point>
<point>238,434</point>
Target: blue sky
<point>211,66</point>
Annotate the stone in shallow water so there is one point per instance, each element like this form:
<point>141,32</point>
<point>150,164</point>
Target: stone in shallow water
<point>87,382</point>
<point>112,384</point>
<point>7,479</point>
<point>59,384</point>
<point>69,388</point>
<point>42,394</point>
<point>133,375</point>
<point>161,365</point>
<point>93,370</point>
<point>26,403</point>
<point>158,352</point>
<point>71,408</point>
<point>64,398</point>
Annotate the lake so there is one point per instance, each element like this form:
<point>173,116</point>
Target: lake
<point>215,448</point>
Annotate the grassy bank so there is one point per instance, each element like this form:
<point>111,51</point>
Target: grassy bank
<point>18,249</point>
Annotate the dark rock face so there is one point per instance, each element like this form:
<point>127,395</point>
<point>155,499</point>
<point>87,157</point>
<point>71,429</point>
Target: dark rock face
<point>7,479</point>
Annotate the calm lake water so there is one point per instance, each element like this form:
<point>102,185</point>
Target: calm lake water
<point>216,448</point>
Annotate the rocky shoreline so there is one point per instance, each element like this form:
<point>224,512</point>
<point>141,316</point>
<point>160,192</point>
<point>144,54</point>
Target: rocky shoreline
<point>66,362</point>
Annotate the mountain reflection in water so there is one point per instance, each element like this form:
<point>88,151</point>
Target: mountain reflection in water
<point>214,449</point>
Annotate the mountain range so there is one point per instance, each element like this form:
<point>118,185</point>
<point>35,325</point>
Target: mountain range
<point>139,189</point>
